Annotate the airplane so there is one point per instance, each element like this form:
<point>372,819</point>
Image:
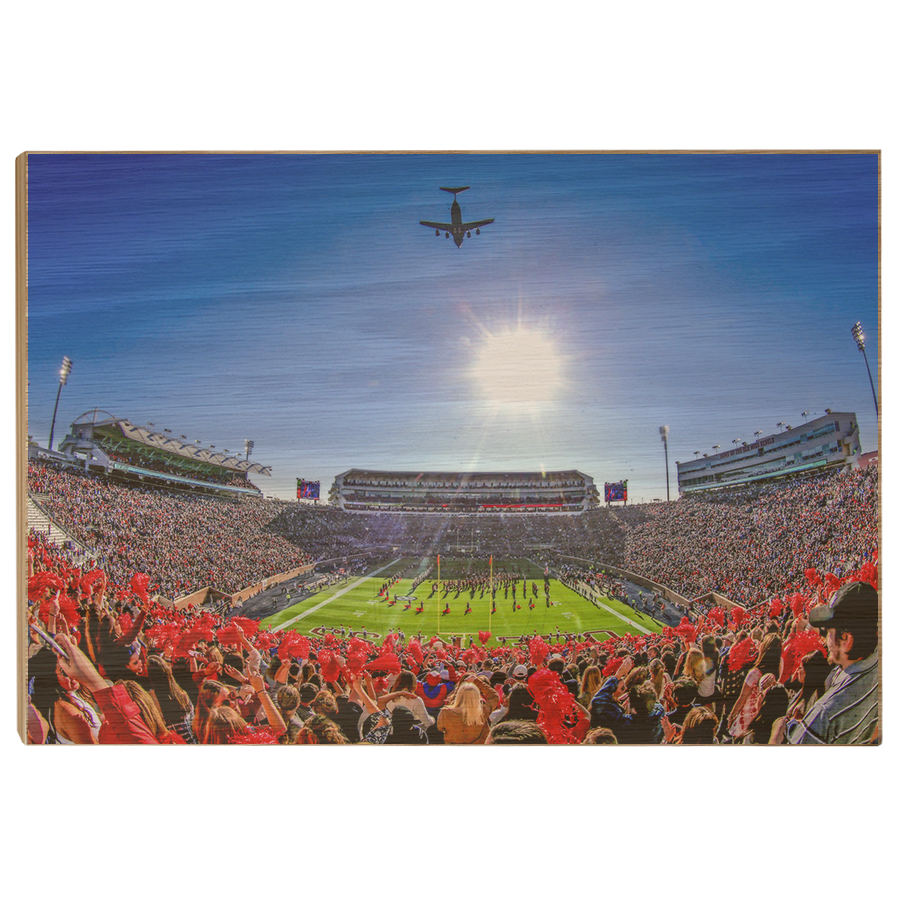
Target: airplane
<point>456,227</point>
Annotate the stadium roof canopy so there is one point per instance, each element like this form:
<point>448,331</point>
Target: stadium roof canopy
<point>120,434</point>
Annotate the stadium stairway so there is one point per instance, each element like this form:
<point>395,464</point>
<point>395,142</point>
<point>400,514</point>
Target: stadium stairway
<point>40,521</point>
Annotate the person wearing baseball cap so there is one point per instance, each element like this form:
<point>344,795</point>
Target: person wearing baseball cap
<point>848,712</point>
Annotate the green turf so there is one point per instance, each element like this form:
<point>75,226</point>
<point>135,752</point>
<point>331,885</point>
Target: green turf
<point>357,606</point>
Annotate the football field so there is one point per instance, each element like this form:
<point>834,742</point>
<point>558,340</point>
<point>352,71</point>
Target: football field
<point>356,606</point>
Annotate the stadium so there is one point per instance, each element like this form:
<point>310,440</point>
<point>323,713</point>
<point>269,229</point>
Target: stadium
<point>446,516</point>
<point>433,581</point>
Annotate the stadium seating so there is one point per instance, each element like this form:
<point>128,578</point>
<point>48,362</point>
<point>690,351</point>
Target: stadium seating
<point>777,551</point>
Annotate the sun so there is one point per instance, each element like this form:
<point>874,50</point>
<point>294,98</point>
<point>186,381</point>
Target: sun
<point>518,368</point>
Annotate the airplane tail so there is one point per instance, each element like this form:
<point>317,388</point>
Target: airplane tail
<point>455,190</point>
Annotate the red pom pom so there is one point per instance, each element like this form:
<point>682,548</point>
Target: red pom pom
<point>612,666</point>
<point>415,650</point>
<point>387,662</point>
<point>265,640</point>
<point>740,654</point>
<point>798,646</point>
<point>868,572</point>
<point>228,635</point>
<point>38,582</point>
<point>737,615</point>
<point>686,630</point>
<point>248,626</point>
<point>775,608</point>
<point>68,609</point>
<point>357,654</point>
<point>293,646</point>
<point>484,637</point>
<point>86,584</point>
<point>183,644</point>
<point>797,603</point>
<point>329,667</point>
<point>539,650</point>
<point>139,584</point>
<point>163,633</point>
<point>559,712</point>
<point>812,576</point>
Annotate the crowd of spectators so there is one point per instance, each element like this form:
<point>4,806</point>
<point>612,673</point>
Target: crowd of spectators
<point>750,544</point>
<point>795,556</point>
<point>596,534</point>
<point>746,545</point>
<point>126,669</point>
<point>183,542</point>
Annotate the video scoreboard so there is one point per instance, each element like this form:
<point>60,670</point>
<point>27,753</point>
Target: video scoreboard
<point>307,490</point>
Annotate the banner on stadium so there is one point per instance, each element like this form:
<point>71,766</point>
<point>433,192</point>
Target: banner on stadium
<point>615,491</point>
<point>307,490</point>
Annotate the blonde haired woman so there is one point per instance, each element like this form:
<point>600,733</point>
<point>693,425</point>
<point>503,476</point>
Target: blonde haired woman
<point>694,667</point>
<point>659,677</point>
<point>464,718</point>
<point>591,682</point>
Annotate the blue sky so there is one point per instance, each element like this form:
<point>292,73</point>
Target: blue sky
<point>296,301</point>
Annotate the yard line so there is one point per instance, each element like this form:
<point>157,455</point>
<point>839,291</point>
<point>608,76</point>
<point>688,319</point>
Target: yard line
<point>334,596</point>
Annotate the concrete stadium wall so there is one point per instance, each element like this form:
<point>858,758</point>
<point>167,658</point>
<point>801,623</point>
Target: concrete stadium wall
<point>238,598</point>
<point>198,598</point>
<point>721,600</point>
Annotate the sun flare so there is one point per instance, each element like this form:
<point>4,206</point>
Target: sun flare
<point>518,367</point>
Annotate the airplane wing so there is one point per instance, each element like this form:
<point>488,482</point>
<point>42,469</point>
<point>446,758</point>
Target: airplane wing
<point>480,224</point>
<point>443,227</point>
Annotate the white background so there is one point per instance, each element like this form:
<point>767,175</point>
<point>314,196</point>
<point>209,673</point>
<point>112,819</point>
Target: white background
<point>461,75</point>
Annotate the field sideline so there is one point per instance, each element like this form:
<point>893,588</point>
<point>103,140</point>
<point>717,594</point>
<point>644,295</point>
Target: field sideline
<point>356,606</point>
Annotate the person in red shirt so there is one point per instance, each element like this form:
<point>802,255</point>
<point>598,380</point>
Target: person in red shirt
<point>433,692</point>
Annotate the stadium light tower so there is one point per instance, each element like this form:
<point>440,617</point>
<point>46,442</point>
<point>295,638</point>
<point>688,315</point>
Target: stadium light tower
<point>780,426</point>
<point>664,434</point>
<point>805,415</point>
<point>860,339</point>
<point>63,378</point>
<point>248,446</point>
